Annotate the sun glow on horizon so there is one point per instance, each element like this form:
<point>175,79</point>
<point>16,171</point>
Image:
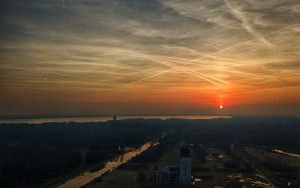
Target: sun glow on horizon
<point>127,62</point>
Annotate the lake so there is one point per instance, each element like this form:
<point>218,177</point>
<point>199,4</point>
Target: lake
<point>102,118</point>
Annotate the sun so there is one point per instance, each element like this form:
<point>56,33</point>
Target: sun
<point>221,106</point>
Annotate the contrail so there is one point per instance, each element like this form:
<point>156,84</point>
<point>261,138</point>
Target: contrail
<point>190,62</point>
<point>154,75</point>
<point>204,57</point>
<point>245,23</point>
<point>252,31</point>
<point>214,81</point>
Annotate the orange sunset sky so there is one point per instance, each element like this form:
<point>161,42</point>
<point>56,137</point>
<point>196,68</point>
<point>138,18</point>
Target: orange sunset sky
<point>99,57</point>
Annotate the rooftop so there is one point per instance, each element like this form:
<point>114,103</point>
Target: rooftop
<point>185,152</point>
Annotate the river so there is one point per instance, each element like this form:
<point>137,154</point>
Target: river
<point>100,118</point>
<point>109,166</point>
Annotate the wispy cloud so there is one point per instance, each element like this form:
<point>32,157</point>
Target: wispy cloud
<point>121,50</point>
<point>246,23</point>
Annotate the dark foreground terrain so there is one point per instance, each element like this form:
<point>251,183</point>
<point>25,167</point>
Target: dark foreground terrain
<point>252,152</point>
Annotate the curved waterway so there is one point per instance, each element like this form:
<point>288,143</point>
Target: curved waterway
<point>109,166</point>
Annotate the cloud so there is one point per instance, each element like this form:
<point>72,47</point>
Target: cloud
<point>285,65</point>
<point>246,23</point>
<point>119,50</point>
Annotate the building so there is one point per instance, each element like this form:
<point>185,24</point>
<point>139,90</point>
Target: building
<point>185,166</point>
<point>169,174</point>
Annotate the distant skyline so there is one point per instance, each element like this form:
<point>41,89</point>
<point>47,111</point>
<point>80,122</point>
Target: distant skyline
<point>128,57</point>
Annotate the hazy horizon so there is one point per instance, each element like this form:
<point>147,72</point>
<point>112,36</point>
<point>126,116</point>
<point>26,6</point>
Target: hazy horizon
<point>63,57</point>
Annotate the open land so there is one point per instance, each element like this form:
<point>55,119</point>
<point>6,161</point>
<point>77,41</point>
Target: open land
<point>233,152</point>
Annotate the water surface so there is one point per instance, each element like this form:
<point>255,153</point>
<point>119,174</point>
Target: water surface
<point>102,118</point>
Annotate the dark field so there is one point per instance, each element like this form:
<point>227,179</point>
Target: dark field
<point>225,152</point>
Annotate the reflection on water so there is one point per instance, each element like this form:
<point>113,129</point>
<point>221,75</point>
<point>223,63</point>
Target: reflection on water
<point>102,118</point>
<point>88,176</point>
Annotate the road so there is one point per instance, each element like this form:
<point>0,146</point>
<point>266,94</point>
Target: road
<point>89,176</point>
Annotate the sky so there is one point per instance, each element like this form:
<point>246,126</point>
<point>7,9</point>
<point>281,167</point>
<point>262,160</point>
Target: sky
<point>100,57</point>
